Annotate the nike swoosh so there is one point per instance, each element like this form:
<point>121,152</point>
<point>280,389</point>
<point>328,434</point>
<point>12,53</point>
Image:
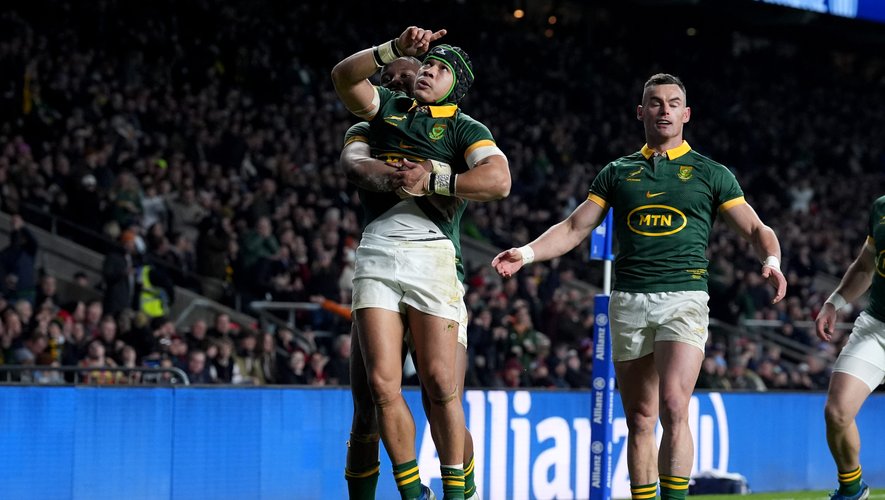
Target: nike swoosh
<point>649,194</point>
<point>405,146</point>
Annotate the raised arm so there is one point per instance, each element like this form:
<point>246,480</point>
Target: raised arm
<point>350,76</point>
<point>556,241</point>
<point>856,281</point>
<point>743,219</point>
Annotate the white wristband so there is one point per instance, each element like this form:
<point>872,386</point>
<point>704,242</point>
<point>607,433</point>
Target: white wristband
<point>388,52</point>
<point>528,255</point>
<point>837,300</point>
<point>773,262</point>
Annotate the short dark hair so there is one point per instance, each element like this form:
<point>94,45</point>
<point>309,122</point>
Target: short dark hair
<point>663,79</point>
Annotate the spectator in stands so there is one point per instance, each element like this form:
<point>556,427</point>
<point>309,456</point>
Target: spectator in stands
<point>576,375</point>
<point>198,371</point>
<point>339,364</point>
<point>259,248</point>
<point>127,207</point>
<point>317,374</point>
<point>247,361</point>
<point>741,377</point>
<point>118,273</point>
<point>95,366</point>
<point>76,345</point>
<point>129,359</point>
<point>155,290</point>
<point>267,358</point>
<point>17,262</point>
<point>107,335</point>
<point>25,313</point>
<point>47,292</point>
<point>186,212</point>
<point>295,371</point>
<point>224,364</point>
<point>216,235</point>
<point>522,337</point>
<point>34,345</point>
<point>222,327</point>
<point>197,336</point>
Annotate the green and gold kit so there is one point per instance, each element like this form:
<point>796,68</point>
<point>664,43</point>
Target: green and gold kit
<point>404,129</point>
<point>664,207</point>
<point>876,307</point>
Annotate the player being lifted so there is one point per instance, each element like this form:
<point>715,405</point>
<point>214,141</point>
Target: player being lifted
<point>408,261</point>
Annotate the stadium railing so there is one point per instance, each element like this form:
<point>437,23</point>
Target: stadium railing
<point>30,374</point>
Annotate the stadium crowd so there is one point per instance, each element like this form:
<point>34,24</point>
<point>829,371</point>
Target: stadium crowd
<point>204,137</point>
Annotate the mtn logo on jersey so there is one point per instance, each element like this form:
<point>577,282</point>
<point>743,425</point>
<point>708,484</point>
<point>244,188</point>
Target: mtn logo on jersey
<point>437,131</point>
<point>685,172</point>
<point>656,220</point>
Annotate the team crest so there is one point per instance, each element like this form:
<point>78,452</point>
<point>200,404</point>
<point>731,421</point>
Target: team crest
<point>685,172</point>
<point>437,131</point>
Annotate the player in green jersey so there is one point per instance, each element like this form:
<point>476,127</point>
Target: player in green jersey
<point>665,198</point>
<point>408,261</point>
<point>860,367</point>
<point>374,179</point>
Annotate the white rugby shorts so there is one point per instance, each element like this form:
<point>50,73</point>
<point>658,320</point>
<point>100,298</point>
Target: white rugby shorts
<point>638,320</point>
<point>864,354</point>
<point>392,274</point>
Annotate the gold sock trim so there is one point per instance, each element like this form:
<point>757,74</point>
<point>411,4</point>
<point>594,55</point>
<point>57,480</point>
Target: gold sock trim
<point>359,475</point>
<point>469,468</point>
<point>847,477</point>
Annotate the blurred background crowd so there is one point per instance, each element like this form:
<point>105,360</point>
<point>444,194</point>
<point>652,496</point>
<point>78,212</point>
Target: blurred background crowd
<point>199,142</point>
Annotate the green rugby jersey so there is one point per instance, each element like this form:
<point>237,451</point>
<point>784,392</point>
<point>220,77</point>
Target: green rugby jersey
<point>403,129</point>
<point>876,307</point>
<point>663,213</point>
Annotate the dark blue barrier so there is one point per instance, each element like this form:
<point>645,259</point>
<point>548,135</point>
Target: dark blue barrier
<point>187,443</point>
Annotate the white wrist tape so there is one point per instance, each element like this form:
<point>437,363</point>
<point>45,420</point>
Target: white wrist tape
<point>773,262</point>
<point>443,184</point>
<point>528,255</point>
<point>440,167</point>
<point>387,52</point>
<point>837,300</point>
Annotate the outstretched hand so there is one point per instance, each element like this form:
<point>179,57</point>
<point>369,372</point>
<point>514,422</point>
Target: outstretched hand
<point>774,276</point>
<point>415,41</point>
<point>508,262</point>
<point>825,323</point>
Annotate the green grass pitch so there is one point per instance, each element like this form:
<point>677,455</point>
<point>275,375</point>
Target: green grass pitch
<point>876,494</point>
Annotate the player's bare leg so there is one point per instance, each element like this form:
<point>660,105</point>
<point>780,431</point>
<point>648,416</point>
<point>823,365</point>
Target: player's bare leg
<point>362,447</point>
<point>436,343</point>
<point>381,337</point>
<point>638,386</point>
<point>678,365</point>
<point>460,367</point>
<point>844,398</point>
